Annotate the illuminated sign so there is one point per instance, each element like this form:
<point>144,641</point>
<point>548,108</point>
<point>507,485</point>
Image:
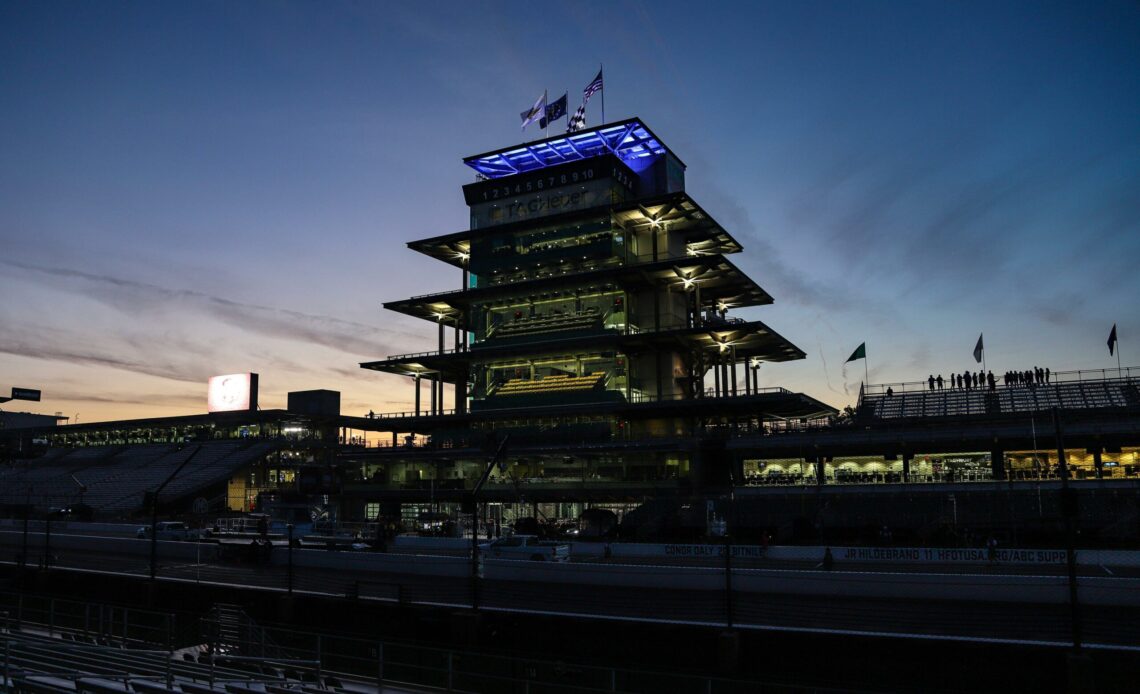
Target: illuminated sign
<point>232,393</point>
<point>595,183</point>
<point>534,183</point>
<point>25,394</point>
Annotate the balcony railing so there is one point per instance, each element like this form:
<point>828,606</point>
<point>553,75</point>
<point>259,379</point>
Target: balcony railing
<point>1128,372</point>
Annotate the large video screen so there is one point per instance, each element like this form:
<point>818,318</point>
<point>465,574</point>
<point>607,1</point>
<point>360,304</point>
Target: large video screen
<point>232,393</point>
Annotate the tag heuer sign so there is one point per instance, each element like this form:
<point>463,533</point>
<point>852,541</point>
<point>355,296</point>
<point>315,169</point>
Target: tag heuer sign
<point>25,394</point>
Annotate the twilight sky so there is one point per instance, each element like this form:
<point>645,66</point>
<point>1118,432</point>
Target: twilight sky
<point>190,189</point>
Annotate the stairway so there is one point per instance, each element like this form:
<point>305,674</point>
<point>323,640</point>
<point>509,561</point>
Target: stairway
<point>229,630</point>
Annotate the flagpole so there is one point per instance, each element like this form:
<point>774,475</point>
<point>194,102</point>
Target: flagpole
<point>866,369</point>
<point>545,104</point>
<point>601,71</point>
<point>1118,370</point>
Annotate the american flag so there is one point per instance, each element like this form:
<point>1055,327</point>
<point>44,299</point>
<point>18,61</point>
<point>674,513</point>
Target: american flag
<point>578,120</point>
<point>592,88</point>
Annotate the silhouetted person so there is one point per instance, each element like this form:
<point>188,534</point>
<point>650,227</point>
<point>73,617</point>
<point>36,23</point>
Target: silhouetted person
<point>890,391</point>
<point>959,380</point>
<point>931,381</point>
<point>939,381</point>
<point>1046,374</point>
<point>992,381</point>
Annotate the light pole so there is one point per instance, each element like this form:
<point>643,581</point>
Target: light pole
<point>1069,512</point>
<point>154,514</point>
<point>27,513</point>
<point>47,539</point>
<point>289,527</point>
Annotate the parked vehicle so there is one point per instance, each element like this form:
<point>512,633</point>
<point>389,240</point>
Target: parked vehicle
<point>166,530</point>
<point>527,547</point>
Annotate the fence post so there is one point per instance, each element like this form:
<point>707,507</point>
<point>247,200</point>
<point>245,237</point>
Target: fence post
<point>319,659</point>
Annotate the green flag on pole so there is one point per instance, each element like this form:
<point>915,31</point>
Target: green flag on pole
<point>859,353</point>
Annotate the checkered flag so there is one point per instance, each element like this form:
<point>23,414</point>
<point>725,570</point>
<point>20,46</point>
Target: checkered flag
<point>578,120</point>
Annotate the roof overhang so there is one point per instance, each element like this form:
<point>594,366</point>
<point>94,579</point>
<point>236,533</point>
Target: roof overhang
<point>718,282</point>
<point>677,212</point>
<point>629,140</point>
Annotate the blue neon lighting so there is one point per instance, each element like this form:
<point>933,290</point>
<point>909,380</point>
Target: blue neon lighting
<point>631,141</point>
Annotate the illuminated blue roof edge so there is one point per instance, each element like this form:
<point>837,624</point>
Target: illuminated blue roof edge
<point>629,140</point>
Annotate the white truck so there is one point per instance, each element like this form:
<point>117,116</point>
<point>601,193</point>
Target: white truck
<point>165,530</point>
<point>527,547</point>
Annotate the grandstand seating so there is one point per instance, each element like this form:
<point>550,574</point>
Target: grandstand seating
<point>1003,400</point>
<point>559,383</point>
<point>548,323</point>
<point>115,479</point>
<point>77,662</point>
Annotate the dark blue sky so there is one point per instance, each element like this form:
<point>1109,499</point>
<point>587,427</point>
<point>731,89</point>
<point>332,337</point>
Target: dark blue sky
<point>202,188</point>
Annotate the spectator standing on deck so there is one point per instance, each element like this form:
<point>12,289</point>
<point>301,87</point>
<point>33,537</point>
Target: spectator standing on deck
<point>939,381</point>
<point>930,380</point>
<point>992,381</point>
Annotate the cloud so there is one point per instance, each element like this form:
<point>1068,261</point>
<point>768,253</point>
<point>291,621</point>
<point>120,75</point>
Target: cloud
<point>785,282</point>
<point>37,344</point>
<point>133,297</point>
<point>147,399</point>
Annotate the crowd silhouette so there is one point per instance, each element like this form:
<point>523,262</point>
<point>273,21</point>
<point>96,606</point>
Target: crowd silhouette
<point>976,380</point>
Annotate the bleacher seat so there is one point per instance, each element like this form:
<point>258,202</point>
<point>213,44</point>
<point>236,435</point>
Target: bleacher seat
<point>549,323</point>
<point>1092,394</point>
<point>560,383</point>
<point>115,479</point>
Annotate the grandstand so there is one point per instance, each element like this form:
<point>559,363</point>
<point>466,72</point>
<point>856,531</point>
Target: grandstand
<point>237,656</point>
<point>1068,391</point>
<point>113,480</point>
<point>587,319</point>
<point>558,383</point>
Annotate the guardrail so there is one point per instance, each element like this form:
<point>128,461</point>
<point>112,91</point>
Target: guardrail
<point>1055,377</point>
